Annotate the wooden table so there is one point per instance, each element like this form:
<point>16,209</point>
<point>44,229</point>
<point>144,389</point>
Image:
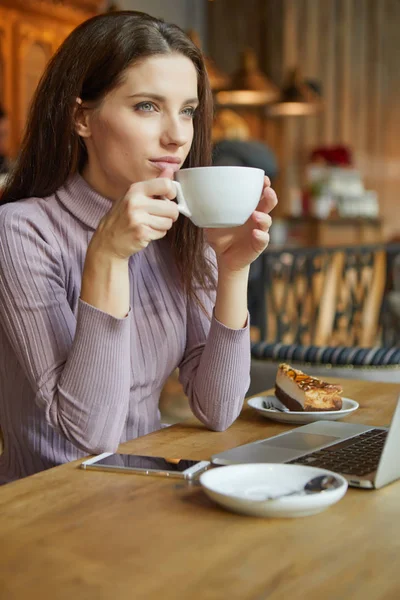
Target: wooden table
<point>73,534</point>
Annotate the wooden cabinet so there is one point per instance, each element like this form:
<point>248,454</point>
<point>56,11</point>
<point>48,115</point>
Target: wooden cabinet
<point>30,33</point>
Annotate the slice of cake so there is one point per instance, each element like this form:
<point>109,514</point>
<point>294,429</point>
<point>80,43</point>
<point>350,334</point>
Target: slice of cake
<point>298,391</point>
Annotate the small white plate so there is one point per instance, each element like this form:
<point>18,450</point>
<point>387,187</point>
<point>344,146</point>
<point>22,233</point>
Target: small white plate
<point>297,417</point>
<point>243,489</point>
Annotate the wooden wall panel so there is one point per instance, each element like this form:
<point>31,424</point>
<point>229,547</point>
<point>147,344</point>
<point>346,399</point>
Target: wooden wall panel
<point>353,48</point>
<point>231,28</point>
<point>30,32</point>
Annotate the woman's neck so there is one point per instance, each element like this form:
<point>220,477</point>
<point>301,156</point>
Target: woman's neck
<point>104,186</point>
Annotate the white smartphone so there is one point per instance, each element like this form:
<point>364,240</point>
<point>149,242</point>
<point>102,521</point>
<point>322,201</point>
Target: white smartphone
<point>147,465</point>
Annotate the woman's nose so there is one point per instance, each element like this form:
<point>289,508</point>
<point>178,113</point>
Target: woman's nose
<point>175,133</point>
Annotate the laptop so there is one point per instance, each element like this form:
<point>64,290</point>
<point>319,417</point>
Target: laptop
<point>367,456</point>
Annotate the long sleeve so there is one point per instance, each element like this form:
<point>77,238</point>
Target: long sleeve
<point>77,365</point>
<point>215,370</point>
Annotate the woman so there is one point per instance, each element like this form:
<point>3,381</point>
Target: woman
<point>104,291</point>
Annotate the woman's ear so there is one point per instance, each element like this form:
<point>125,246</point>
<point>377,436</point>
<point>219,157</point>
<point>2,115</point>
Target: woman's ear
<point>82,119</point>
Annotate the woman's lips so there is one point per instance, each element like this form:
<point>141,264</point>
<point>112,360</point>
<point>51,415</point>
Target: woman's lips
<point>161,165</point>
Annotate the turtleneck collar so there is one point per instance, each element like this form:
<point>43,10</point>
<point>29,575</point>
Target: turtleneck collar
<point>83,201</point>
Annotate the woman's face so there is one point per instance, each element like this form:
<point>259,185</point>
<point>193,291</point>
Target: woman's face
<point>142,126</point>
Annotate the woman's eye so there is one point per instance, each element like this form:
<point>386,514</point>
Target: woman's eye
<point>189,111</point>
<point>145,106</point>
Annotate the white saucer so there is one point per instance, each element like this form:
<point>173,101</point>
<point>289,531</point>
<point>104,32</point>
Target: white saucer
<point>302,417</point>
<point>243,488</point>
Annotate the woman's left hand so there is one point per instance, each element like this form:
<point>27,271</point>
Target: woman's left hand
<point>237,247</point>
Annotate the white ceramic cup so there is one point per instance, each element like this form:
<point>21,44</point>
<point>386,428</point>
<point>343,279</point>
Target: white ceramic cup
<point>218,196</point>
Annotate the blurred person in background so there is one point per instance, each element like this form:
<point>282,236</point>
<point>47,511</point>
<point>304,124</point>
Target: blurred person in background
<point>233,146</point>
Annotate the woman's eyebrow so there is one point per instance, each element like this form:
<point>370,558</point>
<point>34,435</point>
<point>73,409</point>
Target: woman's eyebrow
<point>160,98</point>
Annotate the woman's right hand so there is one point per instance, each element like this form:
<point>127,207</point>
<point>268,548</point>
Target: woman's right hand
<point>138,218</point>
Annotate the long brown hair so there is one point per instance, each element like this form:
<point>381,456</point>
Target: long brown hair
<point>89,64</point>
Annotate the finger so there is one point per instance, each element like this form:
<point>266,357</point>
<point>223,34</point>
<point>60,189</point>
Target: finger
<point>263,220</point>
<point>267,182</point>
<point>160,208</point>
<point>158,223</point>
<point>261,239</point>
<point>155,234</point>
<point>150,235</point>
<point>268,201</point>
<point>162,186</point>
<point>168,172</point>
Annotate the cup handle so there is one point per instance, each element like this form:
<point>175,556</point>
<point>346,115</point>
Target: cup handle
<point>182,206</point>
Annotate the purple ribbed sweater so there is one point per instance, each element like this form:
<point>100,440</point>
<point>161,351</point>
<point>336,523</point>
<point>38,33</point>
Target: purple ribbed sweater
<point>75,380</point>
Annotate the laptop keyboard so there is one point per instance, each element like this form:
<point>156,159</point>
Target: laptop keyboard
<point>357,456</point>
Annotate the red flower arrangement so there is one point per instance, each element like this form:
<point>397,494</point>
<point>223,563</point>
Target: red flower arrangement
<point>335,156</point>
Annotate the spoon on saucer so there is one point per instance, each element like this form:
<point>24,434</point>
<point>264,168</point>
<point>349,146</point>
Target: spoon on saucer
<point>322,483</point>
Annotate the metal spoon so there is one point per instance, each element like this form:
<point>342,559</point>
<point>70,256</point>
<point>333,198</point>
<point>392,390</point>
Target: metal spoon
<point>322,483</point>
